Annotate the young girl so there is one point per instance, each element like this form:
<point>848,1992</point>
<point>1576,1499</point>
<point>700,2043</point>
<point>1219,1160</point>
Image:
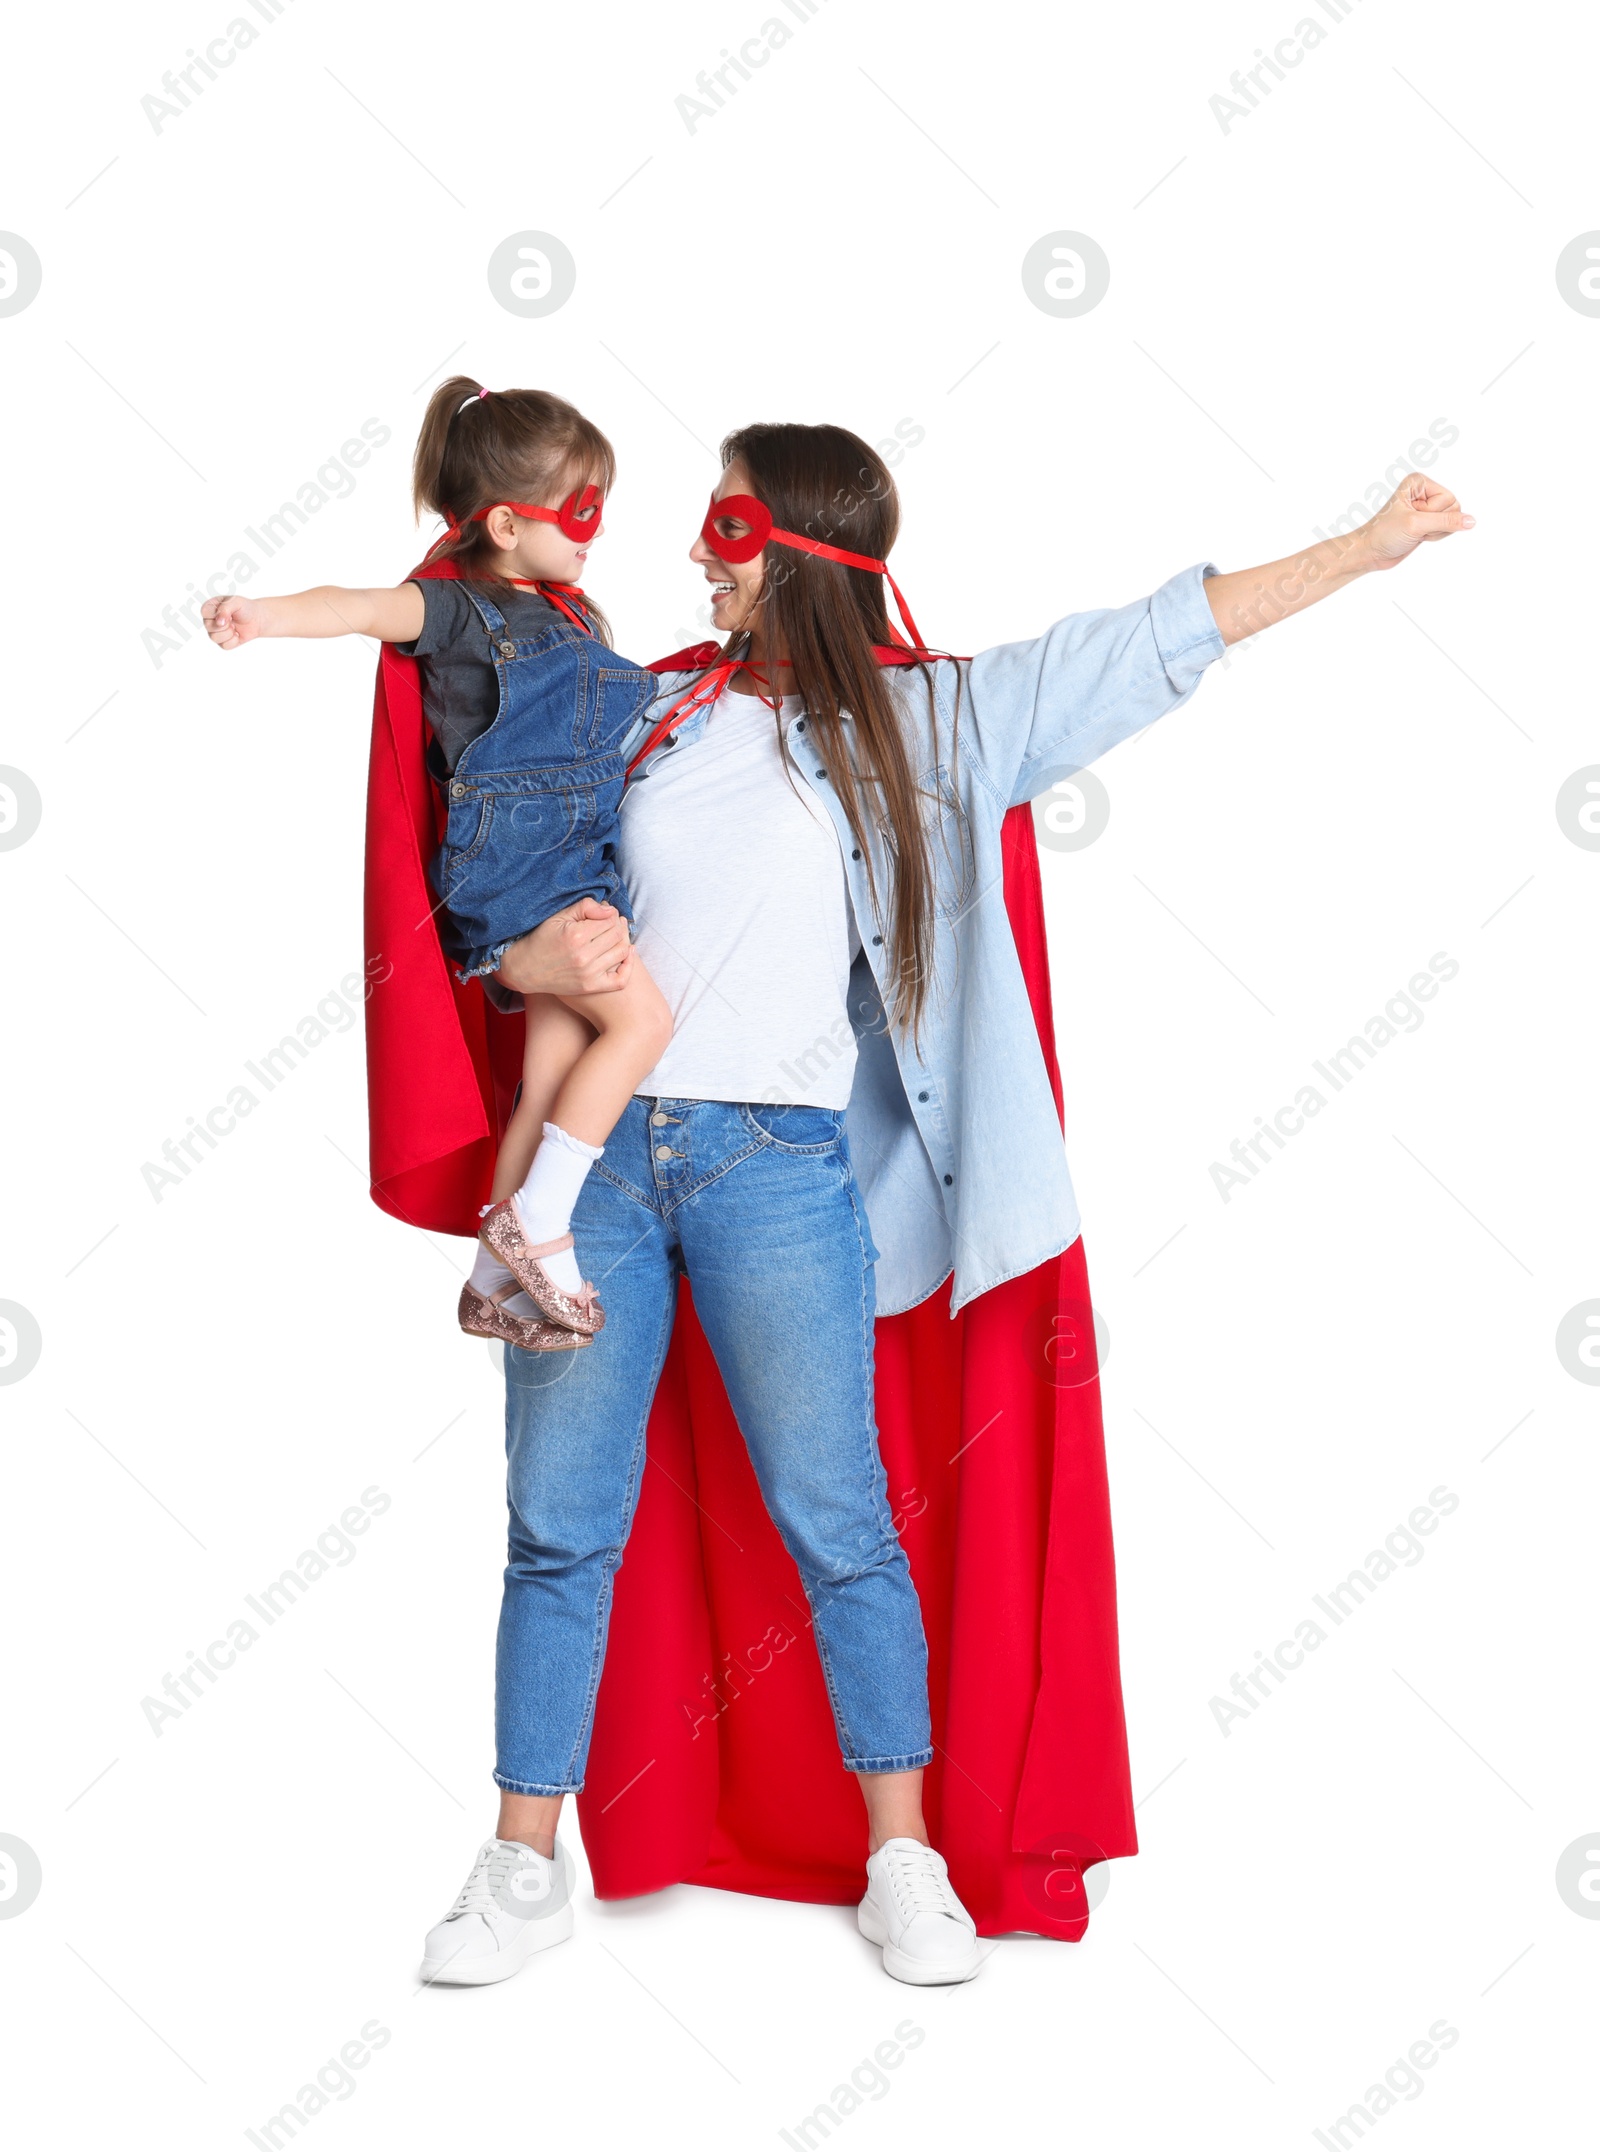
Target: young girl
<point>529,708</point>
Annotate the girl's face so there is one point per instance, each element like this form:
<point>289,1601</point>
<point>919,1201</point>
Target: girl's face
<point>540,552</point>
<point>735,585</point>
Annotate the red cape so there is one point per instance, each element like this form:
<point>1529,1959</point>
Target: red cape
<point>714,1758</point>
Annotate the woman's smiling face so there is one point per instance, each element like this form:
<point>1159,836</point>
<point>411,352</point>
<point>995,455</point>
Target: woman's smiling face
<point>735,585</point>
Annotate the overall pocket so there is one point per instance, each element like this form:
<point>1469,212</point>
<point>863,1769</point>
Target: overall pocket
<point>533,824</point>
<point>467,828</point>
<point>466,833</point>
<point>618,694</point>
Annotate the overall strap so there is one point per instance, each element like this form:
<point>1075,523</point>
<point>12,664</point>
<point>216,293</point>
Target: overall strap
<point>488,612</point>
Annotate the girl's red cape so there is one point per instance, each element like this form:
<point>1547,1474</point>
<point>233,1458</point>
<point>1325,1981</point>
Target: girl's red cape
<point>714,1759</point>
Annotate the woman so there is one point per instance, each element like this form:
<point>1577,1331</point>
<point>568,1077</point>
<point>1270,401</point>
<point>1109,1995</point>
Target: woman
<point>812,841</point>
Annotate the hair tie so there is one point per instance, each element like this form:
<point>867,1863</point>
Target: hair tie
<point>471,400</point>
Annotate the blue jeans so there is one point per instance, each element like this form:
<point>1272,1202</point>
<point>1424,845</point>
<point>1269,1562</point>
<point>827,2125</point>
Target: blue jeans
<point>758,1205</point>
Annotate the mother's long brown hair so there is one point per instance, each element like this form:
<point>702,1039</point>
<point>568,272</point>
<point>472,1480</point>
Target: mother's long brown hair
<point>828,484</point>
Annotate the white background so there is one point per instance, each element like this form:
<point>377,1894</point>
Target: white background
<point>1292,303</point>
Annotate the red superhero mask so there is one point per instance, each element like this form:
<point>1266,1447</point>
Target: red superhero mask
<point>578,516</point>
<point>745,508</point>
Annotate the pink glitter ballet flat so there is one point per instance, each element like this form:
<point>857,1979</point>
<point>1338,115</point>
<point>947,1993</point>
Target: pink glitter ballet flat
<point>501,1233</point>
<point>488,1318</point>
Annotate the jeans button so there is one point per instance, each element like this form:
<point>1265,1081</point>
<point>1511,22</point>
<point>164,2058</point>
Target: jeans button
<point>458,792</point>
<point>658,1120</point>
<point>663,1150</point>
<point>508,650</point>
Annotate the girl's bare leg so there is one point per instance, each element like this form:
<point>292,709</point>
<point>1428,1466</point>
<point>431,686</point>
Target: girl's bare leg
<point>579,1097</point>
<point>631,1030</point>
<point>554,1040</point>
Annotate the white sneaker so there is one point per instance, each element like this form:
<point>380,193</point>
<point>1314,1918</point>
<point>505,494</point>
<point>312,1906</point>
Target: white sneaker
<point>928,1936</point>
<point>513,1903</point>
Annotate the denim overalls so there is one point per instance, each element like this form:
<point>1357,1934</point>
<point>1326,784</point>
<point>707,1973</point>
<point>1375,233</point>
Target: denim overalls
<point>533,801</point>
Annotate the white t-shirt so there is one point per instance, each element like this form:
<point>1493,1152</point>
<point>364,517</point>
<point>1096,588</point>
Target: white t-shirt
<point>744,917</point>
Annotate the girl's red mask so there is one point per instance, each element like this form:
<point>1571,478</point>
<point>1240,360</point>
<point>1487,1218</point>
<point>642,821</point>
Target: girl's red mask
<point>578,516</point>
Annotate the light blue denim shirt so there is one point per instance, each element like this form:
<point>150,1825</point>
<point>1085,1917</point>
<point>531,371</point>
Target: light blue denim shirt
<point>954,1137</point>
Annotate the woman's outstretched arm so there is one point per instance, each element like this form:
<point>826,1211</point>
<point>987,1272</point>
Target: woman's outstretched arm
<point>1249,599</point>
<point>1061,700</point>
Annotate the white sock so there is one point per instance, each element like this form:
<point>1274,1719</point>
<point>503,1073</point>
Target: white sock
<point>488,1272</point>
<point>546,1199</point>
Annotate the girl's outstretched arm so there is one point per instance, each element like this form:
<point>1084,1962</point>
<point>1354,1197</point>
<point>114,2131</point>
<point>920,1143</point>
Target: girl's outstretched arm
<point>1250,599</point>
<point>393,616</point>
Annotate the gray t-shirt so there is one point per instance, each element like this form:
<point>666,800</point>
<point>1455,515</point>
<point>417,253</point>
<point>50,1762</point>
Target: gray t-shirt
<point>460,691</point>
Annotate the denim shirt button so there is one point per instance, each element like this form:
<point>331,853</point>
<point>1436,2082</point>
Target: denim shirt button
<point>458,792</point>
<point>856,852</point>
<point>922,1098</point>
<point>949,1180</point>
<point>877,941</point>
